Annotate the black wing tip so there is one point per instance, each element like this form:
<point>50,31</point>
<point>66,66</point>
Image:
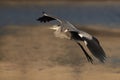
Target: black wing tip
<point>103,60</point>
<point>44,21</point>
<point>39,19</point>
<point>89,58</point>
<point>45,18</point>
<point>103,57</point>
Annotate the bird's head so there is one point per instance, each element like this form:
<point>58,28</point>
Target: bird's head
<point>55,27</point>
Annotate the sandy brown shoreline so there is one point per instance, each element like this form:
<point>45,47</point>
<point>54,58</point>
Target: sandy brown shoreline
<point>33,53</point>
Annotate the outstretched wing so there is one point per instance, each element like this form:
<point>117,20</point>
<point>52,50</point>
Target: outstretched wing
<point>89,58</point>
<point>74,35</point>
<point>69,26</point>
<point>95,48</point>
<point>46,18</point>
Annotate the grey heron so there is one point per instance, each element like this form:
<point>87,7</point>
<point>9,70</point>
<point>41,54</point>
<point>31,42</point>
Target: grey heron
<point>66,30</point>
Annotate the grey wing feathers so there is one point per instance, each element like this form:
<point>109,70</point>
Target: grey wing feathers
<point>95,48</point>
<point>69,26</point>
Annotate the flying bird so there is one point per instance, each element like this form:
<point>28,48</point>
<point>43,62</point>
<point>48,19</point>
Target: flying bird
<point>65,29</point>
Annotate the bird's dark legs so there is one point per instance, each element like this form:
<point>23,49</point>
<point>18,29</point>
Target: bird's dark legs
<point>86,54</point>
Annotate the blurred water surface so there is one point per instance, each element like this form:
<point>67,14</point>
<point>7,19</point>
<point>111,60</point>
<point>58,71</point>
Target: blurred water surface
<point>108,15</point>
<point>34,53</point>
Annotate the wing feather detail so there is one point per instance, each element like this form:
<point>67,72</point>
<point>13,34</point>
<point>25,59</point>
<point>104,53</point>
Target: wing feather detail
<point>96,49</point>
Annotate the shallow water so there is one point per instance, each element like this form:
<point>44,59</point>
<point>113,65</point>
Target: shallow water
<point>107,15</point>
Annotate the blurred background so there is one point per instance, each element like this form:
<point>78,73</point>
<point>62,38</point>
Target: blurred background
<point>83,12</point>
<point>30,51</point>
